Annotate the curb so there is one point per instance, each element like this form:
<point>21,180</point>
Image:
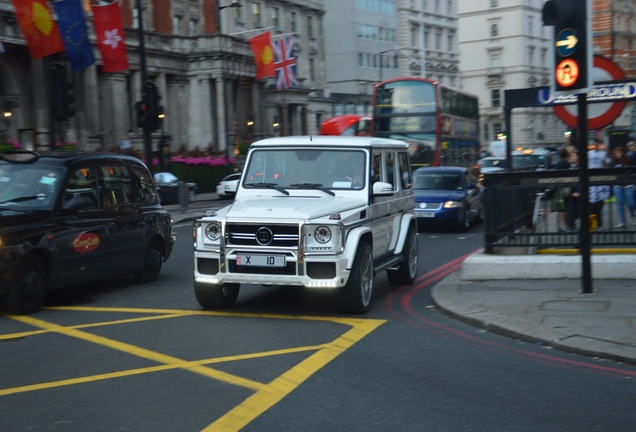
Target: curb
<point>446,296</point>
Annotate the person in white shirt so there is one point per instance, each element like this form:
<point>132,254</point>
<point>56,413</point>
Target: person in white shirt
<point>597,157</point>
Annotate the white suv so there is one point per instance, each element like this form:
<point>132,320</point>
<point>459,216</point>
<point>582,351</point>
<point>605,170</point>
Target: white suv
<point>320,212</point>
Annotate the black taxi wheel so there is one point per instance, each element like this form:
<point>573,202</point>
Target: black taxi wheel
<point>152,263</point>
<point>28,292</point>
<point>216,296</point>
<point>407,270</point>
<point>356,294</point>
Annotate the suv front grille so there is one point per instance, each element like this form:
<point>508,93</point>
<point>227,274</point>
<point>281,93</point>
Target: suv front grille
<point>250,235</point>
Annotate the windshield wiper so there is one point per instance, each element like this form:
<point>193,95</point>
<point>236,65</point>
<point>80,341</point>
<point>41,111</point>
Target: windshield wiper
<point>313,186</point>
<point>24,198</point>
<point>269,186</point>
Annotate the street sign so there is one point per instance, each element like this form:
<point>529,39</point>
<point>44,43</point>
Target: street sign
<point>567,73</point>
<point>566,42</point>
<point>600,114</point>
<point>610,92</point>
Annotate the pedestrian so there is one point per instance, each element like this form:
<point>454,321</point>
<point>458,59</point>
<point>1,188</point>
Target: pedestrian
<point>597,155</point>
<point>559,195</point>
<point>631,153</point>
<point>624,193</point>
<point>597,158</point>
<point>573,196</point>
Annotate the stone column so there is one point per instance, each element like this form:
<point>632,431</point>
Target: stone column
<point>114,101</point>
<point>92,110</point>
<point>221,121</point>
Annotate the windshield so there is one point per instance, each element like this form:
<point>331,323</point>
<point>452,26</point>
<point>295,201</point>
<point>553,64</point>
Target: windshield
<point>306,169</point>
<point>29,186</point>
<point>437,181</point>
<point>519,161</point>
<point>493,163</point>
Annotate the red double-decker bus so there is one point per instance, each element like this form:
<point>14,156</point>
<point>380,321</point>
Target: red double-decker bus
<point>440,123</point>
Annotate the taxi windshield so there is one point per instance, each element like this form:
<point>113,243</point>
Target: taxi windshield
<point>27,187</point>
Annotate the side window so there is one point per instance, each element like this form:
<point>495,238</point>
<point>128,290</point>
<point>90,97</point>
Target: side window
<point>117,189</point>
<point>376,167</point>
<point>82,182</point>
<point>144,186</point>
<point>389,168</point>
<point>405,171</point>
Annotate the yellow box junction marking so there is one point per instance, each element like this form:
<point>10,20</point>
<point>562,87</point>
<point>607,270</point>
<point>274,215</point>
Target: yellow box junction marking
<point>266,394</point>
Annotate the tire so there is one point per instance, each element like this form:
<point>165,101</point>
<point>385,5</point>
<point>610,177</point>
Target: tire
<point>152,263</point>
<point>216,296</point>
<point>28,292</point>
<point>192,195</point>
<point>356,294</point>
<point>407,271</point>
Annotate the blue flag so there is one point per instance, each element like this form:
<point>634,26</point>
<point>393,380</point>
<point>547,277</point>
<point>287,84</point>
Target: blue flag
<point>70,19</point>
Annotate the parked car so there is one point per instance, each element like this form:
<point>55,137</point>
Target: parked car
<point>491,164</point>
<point>168,188</point>
<point>319,212</point>
<point>538,159</point>
<point>228,185</point>
<point>447,196</point>
<point>74,217</point>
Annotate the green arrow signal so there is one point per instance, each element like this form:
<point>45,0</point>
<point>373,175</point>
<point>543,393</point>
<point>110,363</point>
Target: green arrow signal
<point>569,42</point>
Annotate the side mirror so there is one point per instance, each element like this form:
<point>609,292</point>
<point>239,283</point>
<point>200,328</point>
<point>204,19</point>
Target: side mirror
<point>382,189</point>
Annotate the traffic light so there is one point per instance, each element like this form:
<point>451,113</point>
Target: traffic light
<point>572,45</point>
<point>155,111</point>
<point>62,96</point>
<point>141,110</point>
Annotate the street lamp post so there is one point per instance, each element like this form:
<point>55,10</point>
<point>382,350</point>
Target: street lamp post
<point>381,61</point>
<point>234,5</point>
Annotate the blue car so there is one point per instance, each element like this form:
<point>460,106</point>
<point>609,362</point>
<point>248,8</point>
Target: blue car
<point>447,196</point>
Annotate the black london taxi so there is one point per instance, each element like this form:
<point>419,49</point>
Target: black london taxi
<point>72,217</point>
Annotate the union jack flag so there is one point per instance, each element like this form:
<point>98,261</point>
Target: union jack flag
<point>285,63</point>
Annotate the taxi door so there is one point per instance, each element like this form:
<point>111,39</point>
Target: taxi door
<point>80,241</point>
<point>126,235</point>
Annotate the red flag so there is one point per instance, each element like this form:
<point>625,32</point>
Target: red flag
<point>110,37</point>
<point>263,55</point>
<point>39,28</point>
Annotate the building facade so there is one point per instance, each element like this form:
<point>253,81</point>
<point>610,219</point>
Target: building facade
<point>431,24</point>
<point>360,40</point>
<point>504,46</point>
<point>205,75</point>
<point>368,41</point>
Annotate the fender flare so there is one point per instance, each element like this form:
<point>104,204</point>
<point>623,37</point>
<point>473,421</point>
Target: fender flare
<point>407,220</point>
<point>351,244</point>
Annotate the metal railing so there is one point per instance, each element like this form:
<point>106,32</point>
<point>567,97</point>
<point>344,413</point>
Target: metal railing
<point>518,211</point>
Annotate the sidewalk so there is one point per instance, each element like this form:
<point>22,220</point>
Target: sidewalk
<point>551,312</point>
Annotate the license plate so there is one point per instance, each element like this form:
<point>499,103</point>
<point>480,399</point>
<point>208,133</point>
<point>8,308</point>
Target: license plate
<point>260,260</point>
<point>427,214</point>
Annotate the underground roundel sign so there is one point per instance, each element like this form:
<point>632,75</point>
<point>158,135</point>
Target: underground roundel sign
<point>599,114</point>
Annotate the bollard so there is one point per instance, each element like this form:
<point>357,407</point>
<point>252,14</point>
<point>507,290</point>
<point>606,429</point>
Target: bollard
<point>183,196</point>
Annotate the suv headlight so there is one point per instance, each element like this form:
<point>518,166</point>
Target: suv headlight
<point>322,234</point>
<point>323,239</point>
<point>453,204</point>
<point>213,231</point>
